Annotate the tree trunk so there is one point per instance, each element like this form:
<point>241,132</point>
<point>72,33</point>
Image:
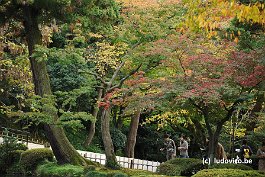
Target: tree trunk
<point>62,148</point>
<point>107,141</point>
<point>131,139</point>
<point>213,141</point>
<point>92,129</point>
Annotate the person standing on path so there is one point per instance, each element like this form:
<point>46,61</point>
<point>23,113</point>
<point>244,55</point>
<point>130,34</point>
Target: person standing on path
<point>169,147</point>
<point>183,147</point>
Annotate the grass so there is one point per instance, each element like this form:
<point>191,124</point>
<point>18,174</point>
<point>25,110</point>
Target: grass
<point>51,169</point>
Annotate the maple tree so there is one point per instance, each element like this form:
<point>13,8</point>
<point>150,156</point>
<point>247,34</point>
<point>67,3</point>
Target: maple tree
<point>108,60</point>
<point>218,84</point>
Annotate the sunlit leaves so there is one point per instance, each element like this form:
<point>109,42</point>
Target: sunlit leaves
<point>215,15</point>
<point>106,56</point>
<point>167,118</point>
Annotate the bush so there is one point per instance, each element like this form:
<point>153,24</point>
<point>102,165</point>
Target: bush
<point>31,158</point>
<point>16,170</point>
<point>96,174</point>
<point>10,152</point>
<point>181,166</point>
<point>228,173</point>
<point>51,169</point>
<point>16,155</point>
<point>231,166</point>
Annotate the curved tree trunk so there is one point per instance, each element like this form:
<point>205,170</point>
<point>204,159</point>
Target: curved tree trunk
<point>62,148</point>
<point>92,128</point>
<point>107,141</point>
<point>213,141</point>
<point>131,139</point>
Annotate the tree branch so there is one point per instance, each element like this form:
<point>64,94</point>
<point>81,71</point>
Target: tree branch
<point>115,74</point>
<point>205,114</point>
<point>231,110</point>
<point>120,66</point>
<point>123,79</point>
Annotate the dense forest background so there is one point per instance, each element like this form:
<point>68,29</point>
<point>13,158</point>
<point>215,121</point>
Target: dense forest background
<point>115,76</point>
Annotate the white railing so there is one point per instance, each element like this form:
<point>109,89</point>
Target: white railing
<point>123,161</point>
<point>101,158</point>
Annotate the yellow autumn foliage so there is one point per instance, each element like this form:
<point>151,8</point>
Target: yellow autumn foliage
<point>107,56</point>
<point>167,118</point>
<point>211,15</point>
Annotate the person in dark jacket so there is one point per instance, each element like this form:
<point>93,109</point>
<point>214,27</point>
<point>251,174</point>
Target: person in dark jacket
<point>245,150</point>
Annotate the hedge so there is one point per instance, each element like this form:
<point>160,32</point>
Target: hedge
<point>51,169</point>
<point>181,166</point>
<point>31,158</point>
<point>228,173</point>
<point>9,155</point>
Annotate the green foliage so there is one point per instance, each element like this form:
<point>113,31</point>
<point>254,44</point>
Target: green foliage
<point>16,170</point>
<point>31,158</point>
<point>96,15</point>
<point>64,66</point>
<point>40,110</point>
<point>231,166</point>
<point>77,137</point>
<point>50,169</point>
<point>228,173</point>
<point>73,120</point>
<point>96,174</point>
<point>118,138</point>
<point>181,166</point>
<point>10,152</point>
<point>16,155</point>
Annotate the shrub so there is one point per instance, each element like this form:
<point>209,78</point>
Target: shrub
<point>231,166</point>
<point>96,174</point>
<point>50,169</point>
<point>16,155</point>
<point>89,168</point>
<point>181,166</point>
<point>31,158</point>
<point>16,170</point>
<point>228,173</point>
<point>10,152</point>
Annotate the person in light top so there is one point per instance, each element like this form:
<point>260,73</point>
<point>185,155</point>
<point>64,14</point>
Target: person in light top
<point>183,147</point>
